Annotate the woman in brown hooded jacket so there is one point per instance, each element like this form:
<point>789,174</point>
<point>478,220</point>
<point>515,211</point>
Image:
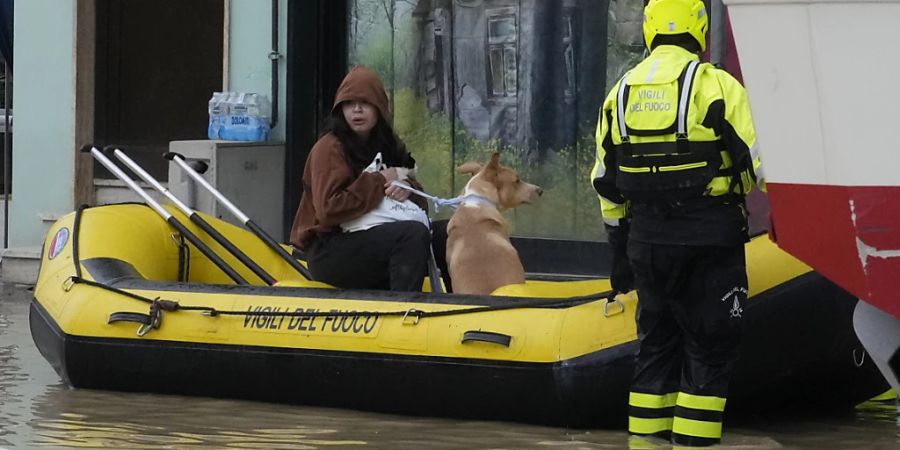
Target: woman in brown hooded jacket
<point>338,188</point>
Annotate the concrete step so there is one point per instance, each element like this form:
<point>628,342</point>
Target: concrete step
<point>20,265</point>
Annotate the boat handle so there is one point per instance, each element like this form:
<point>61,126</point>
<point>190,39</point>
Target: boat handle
<point>148,322</point>
<point>487,336</point>
<point>414,320</point>
<point>613,301</point>
<point>139,318</point>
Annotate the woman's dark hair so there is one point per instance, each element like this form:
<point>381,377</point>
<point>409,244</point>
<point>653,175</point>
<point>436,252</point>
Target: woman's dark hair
<point>360,152</point>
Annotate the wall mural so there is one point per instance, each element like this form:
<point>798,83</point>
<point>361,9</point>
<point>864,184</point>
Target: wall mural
<point>522,77</point>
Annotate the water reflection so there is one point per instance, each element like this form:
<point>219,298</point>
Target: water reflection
<point>95,419</point>
<point>11,376</point>
<point>880,411</point>
<point>37,411</point>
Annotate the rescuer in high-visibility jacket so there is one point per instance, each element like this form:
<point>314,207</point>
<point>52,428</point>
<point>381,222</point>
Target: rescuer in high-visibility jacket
<point>676,155</point>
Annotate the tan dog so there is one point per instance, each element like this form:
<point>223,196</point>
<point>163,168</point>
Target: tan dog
<point>480,256</point>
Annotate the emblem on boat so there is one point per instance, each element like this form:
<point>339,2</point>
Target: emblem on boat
<point>58,243</point>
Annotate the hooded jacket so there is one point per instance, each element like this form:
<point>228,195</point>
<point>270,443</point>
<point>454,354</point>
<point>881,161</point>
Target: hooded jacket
<point>334,191</point>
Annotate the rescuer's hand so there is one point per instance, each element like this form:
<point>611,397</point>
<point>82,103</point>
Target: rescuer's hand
<point>395,192</point>
<point>620,277</point>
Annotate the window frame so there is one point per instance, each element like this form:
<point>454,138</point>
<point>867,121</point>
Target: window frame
<point>501,85</point>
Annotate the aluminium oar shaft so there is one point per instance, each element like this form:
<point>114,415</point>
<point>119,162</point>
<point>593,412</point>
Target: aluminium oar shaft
<point>194,217</point>
<point>250,224</point>
<point>168,217</point>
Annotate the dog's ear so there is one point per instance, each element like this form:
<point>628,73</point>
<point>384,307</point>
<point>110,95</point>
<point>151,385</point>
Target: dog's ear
<point>492,169</point>
<point>494,163</point>
<point>470,167</point>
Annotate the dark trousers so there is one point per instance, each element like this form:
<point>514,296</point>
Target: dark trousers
<point>689,321</point>
<point>390,256</point>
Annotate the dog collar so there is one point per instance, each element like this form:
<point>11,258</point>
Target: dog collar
<point>449,202</point>
<point>478,199</point>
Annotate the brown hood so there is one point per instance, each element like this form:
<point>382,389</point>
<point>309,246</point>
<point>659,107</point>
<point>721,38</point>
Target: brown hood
<point>363,84</point>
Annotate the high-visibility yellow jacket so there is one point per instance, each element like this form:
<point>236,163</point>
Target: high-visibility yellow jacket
<point>674,131</point>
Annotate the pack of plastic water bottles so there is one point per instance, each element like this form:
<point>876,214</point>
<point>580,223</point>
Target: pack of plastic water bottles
<point>238,116</point>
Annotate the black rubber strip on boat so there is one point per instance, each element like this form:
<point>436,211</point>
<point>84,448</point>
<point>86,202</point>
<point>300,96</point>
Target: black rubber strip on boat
<point>487,336</point>
<point>129,317</point>
<point>121,274</point>
<point>184,265</point>
<point>75,230</point>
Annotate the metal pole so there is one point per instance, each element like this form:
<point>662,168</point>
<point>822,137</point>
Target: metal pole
<point>717,32</point>
<point>274,56</point>
<point>251,225</point>
<point>194,217</point>
<point>169,218</point>
<point>7,148</point>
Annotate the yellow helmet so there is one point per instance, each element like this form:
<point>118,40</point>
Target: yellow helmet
<point>676,17</point>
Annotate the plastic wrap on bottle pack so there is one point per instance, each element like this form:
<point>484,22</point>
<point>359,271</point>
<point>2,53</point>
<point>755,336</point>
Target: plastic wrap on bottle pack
<point>247,118</point>
<point>218,109</point>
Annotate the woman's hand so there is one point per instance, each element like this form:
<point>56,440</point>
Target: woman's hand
<point>395,192</point>
<point>389,175</point>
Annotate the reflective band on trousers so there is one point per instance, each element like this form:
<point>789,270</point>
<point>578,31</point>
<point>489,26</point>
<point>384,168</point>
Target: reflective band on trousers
<point>640,425</point>
<point>652,401</point>
<point>708,403</point>
<point>697,428</point>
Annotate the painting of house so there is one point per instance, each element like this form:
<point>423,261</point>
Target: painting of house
<point>529,73</point>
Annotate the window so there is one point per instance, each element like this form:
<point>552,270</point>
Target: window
<point>457,96</point>
<point>502,37</point>
<point>569,50</point>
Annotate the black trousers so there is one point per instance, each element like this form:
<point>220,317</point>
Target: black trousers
<point>689,322</point>
<point>390,256</point>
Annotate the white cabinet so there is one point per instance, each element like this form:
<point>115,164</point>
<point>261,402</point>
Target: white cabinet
<point>249,174</point>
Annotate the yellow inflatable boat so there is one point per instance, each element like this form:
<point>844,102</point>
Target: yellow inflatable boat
<point>123,303</point>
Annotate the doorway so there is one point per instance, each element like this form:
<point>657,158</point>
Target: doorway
<point>157,64</point>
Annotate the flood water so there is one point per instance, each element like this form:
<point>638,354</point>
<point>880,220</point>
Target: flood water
<point>38,411</point>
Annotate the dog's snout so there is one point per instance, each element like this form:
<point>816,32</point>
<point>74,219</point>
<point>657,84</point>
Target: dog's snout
<point>540,191</point>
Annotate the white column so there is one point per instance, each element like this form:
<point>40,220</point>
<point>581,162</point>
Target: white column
<point>43,173</point>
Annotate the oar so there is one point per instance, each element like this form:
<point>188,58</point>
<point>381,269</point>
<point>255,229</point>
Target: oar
<point>434,273</point>
<point>194,217</point>
<point>252,226</point>
<point>171,220</point>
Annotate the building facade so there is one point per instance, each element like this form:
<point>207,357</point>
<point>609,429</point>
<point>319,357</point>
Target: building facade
<point>465,78</point>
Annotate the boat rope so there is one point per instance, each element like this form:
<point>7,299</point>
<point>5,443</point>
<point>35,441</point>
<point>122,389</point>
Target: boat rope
<point>158,306</point>
<point>184,257</point>
<point>76,228</point>
<point>153,320</point>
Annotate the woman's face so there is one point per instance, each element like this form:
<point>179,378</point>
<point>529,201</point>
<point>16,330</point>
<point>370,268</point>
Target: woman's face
<point>361,116</point>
